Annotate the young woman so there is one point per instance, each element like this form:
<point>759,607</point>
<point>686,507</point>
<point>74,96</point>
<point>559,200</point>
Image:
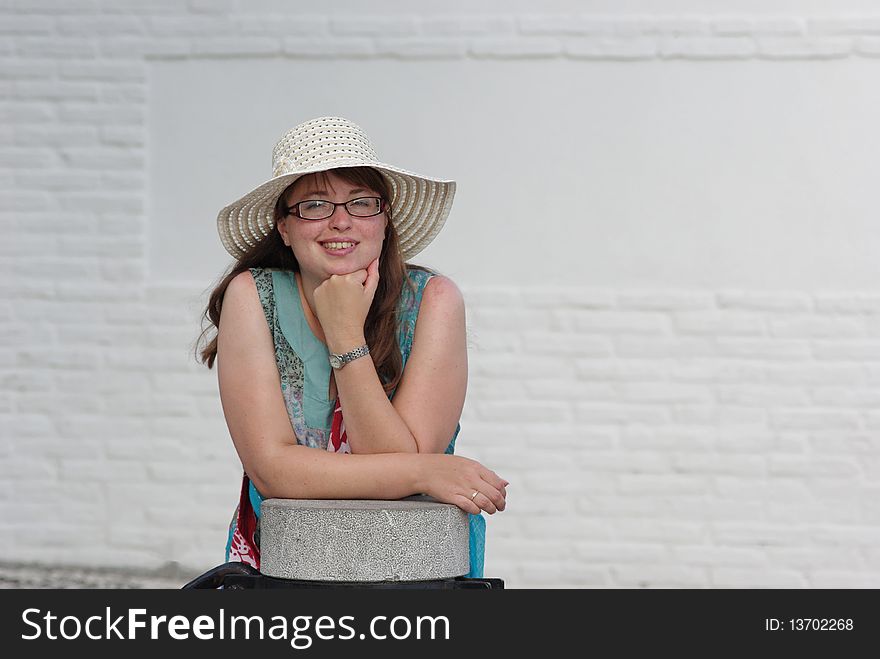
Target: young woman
<point>342,368</point>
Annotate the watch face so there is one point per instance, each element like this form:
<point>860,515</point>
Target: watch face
<point>335,362</point>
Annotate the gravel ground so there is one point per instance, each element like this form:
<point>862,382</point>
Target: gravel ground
<point>54,576</point>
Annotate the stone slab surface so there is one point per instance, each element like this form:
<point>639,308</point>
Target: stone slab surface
<point>413,539</point>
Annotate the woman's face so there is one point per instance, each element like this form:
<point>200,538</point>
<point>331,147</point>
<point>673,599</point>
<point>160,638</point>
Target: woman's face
<point>339,244</point>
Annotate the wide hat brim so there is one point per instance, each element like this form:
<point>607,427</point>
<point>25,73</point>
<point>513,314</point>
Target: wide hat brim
<point>419,207</point>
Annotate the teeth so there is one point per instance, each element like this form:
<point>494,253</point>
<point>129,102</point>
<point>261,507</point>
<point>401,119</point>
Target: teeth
<point>338,245</point>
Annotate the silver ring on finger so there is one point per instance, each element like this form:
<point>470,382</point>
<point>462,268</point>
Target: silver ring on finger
<point>474,495</point>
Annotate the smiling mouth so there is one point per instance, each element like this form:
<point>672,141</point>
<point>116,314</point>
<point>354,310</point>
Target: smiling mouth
<point>338,245</point>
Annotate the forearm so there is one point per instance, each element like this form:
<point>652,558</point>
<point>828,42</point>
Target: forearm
<point>372,425</point>
<point>302,472</point>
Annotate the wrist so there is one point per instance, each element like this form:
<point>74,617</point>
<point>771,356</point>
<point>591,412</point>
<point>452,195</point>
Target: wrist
<point>345,342</point>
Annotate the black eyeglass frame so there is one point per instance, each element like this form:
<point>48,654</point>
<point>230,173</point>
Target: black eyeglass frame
<point>294,210</point>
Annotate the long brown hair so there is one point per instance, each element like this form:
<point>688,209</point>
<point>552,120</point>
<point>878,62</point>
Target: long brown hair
<point>381,326</point>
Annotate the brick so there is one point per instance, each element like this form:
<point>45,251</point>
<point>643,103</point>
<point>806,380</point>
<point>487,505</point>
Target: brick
<point>104,71</point>
<point>493,365</point>
<point>26,70</point>
<point>759,534</point>
<point>664,301</point>
<point>101,382</point>
<point>704,48</point>
<point>240,46</point>
<point>728,415</point>
<point>766,577</point>
<point>669,24</point>
<point>813,513</point>
<point>818,327</point>
<point>380,26</point>
<point>26,113</point>
<point>806,466</point>
<point>719,323</point>
<point>567,297</point>
<point>702,463</point>
<point>24,201</point>
<point>663,393</point>
<point>123,136</point>
<point>559,24</point>
<point>26,158</point>
<point>47,357</point>
<point>764,349</point>
<point>514,48</point>
<point>562,390</point>
<point>846,444</point>
<point>101,115</point>
<point>660,576</point>
<point>848,303</point>
<point>26,25</point>
<point>99,26</point>
<point>141,47</point>
<point>55,136</point>
<point>715,556</point>
<point>321,48</point>
<point>101,158</point>
<point>421,48</point>
<point>761,395</point>
<point>55,47</point>
<point>657,347</point>
<point>616,553</point>
<point>859,351</point>
<point>619,322</point>
<point>190,26</point>
<point>659,530</point>
<point>598,414</point>
<point>749,489</point>
<point>602,48</point>
<point>627,462</point>
<point>868,46</point>
<point>508,320</point>
<point>845,579</point>
<point>451,25</point>
<point>764,301</point>
<point>558,526</point>
<point>816,373</point>
<point>534,412</point>
<point>814,419</point>
<point>620,370</point>
<point>56,6</point>
<point>781,25</point>
<point>845,25</point>
<point>804,48</point>
<point>281,25</point>
<point>570,344</point>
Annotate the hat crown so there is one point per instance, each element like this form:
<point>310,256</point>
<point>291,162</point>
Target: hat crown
<point>322,143</point>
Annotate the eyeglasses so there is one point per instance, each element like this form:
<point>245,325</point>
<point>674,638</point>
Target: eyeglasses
<point>319,209</point>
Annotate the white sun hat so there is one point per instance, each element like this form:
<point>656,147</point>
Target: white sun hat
<point>419,204</point>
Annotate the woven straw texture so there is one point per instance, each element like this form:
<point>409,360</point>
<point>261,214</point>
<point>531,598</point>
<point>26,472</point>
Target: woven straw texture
<point>419,204</point>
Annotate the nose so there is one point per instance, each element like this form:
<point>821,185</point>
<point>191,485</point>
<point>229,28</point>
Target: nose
<point>340,219</point>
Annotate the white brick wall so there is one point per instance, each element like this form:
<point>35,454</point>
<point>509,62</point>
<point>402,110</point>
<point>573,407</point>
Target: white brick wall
<point>653,438</point>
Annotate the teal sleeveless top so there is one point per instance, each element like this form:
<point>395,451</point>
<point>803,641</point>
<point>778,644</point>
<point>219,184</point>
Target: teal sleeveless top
<point>304,368</point>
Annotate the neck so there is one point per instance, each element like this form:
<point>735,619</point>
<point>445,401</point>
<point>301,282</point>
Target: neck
<point>307,286</point>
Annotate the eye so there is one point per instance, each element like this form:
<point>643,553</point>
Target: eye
<point>313,204</point>
<point>361,203</point>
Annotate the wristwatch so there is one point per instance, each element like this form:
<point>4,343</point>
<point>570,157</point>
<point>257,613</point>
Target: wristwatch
<point>338,361</point>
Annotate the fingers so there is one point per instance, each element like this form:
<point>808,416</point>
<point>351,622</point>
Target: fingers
<point>372,277</point>
<point>466,504</point>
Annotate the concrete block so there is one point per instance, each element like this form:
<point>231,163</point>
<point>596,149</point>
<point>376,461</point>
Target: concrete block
<point>413,539</point>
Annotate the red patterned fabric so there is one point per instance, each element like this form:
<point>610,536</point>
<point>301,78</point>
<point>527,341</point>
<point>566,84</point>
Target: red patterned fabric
<point>243,545</point>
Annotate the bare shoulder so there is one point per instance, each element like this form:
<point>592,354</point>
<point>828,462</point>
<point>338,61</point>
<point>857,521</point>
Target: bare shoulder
<point>242,285</point>
<point>442,295</point>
